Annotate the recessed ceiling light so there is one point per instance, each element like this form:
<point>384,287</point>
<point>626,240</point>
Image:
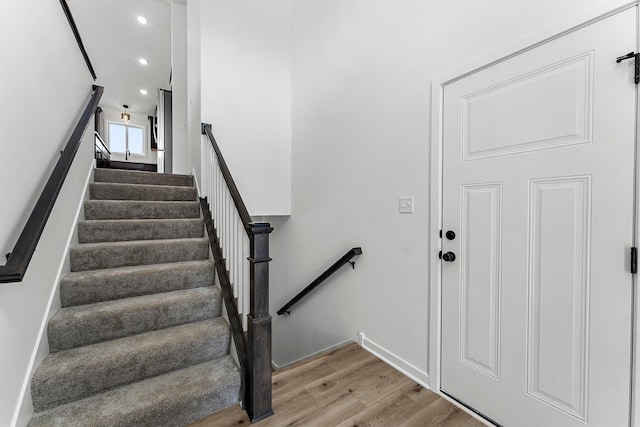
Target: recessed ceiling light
<point>143,61</point>
<point>143,91</point>
<point>142,20</point>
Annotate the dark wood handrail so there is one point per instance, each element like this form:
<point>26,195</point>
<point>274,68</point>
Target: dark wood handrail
<point>346,258</point>
<point>76,34</point>
<point>254,348</point>
<point>18,259</point>
<point>231,184</point>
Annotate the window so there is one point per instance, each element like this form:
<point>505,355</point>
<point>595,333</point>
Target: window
<point>123,138</point>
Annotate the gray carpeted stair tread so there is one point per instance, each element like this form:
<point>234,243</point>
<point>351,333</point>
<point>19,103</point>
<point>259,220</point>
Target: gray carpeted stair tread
<point>97,256</point>
<point>140,341</point>
<point>170,400</point>
<point>89,324</point>
<point>95,231</point>
<point>85,371</point>
<point>88,287</point>
<point>116,191</point>
<point>139,177</point>
<point>139,209</point>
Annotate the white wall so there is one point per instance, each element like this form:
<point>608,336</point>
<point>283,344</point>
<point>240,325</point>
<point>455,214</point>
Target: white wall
<point>362,71</point>
<point>181,155</point>
<point>109,115</point>
<point>194,136</point>
<point>45,85</point>
<point>246,96</point>
<point>51,260</point>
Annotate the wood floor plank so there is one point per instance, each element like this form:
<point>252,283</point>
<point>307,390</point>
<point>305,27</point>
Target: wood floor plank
<point>376,388</point>
<point>355,380</point>
<point>289,383</point>
<point>440,413</point>
<point>422,395</point>
<point>329,413</point>
<point>348,357</point>
<point>395,405</point>
<point>300,406</point>
<point>348,387</point>
<point>473,422</point>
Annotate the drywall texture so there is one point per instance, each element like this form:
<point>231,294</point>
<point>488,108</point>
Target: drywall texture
<point>361,102</point>
<point>246,96</point>
<point>181,156</point>
<point>35,299</point>
<point>45,86</point>
<point>194,137</point>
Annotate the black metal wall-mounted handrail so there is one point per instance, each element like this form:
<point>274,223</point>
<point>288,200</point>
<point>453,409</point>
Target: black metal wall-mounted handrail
<point>254,349</point>
<point>346,259</point>
<point>18,259</point>
<point>76,34</point>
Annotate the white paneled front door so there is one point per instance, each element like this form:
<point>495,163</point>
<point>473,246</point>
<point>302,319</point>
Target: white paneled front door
<point>538,188</point>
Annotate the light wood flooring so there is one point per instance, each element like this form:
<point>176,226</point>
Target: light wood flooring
<point>348,387</point>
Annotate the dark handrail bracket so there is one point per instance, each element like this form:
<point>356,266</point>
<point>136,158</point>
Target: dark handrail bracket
<point>19,258</point>
<point>346,259</point>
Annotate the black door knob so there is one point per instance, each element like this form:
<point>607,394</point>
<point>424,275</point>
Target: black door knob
<point>449,257</point>
<point>450,235</point>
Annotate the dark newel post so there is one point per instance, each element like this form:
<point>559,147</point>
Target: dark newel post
<point>258,394</point>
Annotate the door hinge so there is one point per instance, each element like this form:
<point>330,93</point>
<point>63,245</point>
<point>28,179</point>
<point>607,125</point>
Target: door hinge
<point>634,260</point>
<point>636,60</point>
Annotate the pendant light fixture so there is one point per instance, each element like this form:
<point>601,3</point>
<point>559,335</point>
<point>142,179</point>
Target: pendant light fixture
<point>125,116</point>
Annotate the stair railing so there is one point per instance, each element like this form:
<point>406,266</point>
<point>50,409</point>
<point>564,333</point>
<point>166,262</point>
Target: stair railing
<point>240,249</point>
<point>345,259</point>
<point>18,259</point>
<point>102,153</point>
<point>76,34</point>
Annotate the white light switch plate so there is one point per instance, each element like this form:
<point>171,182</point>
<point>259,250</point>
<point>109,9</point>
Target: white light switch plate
<point>406,204</point>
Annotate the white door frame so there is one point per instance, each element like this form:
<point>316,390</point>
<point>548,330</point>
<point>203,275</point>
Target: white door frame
<point>578,20</point>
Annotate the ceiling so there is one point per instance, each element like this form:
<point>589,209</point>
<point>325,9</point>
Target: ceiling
<point>115,41</point>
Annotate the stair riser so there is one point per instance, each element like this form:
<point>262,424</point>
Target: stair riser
<point>106,191</point>
<point>71,381</point>
<point>124,230</point>
<point>147,178</point>
<point>108,209</point>
<point>106,285</point>
<point>98,256</point>
<point>80,326</point>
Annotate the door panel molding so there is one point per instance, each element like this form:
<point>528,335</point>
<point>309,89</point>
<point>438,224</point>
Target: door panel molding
<point>572,81</point>
<point>554,203</point>
<point>480,326</point>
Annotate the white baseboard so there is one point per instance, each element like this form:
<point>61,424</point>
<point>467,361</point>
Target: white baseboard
<point>396,362</point>
<point>277,367</point>
<point>410,371</point>
<point>195,181</point>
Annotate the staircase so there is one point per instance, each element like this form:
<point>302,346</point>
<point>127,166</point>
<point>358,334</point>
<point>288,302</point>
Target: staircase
<point>139,340</point>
